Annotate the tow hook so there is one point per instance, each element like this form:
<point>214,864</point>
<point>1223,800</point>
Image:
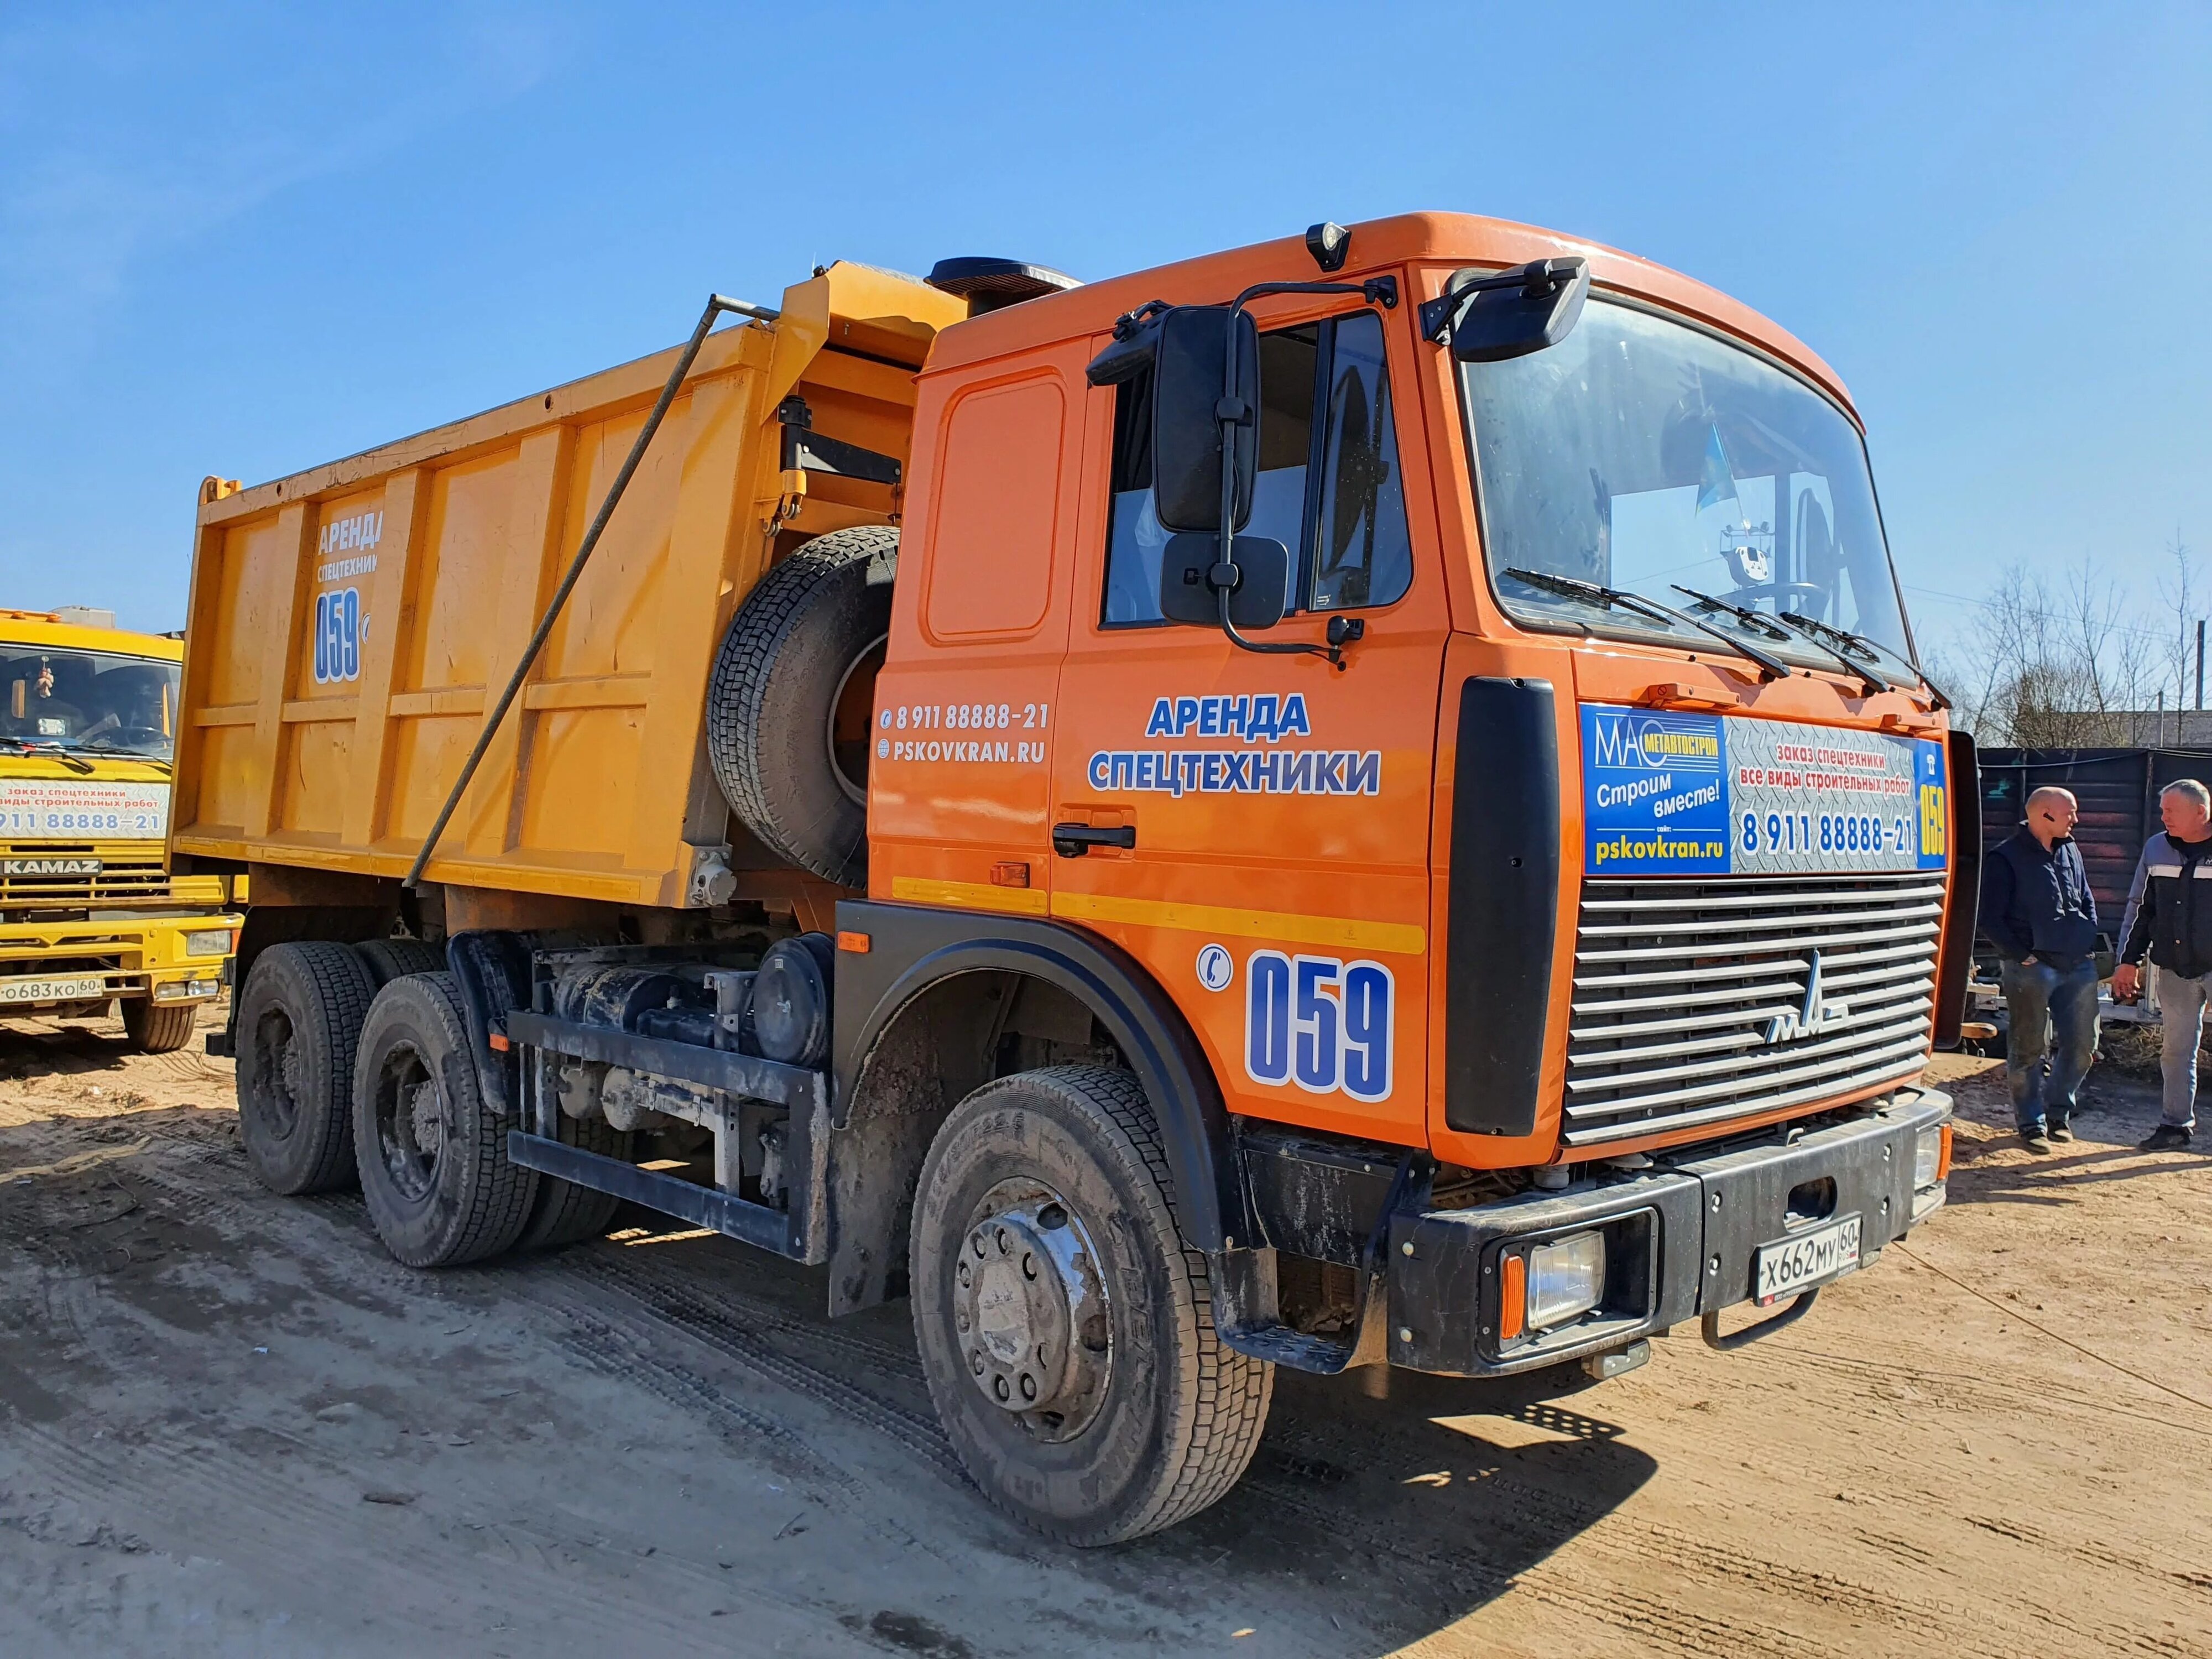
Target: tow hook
<point>1710,1326</point>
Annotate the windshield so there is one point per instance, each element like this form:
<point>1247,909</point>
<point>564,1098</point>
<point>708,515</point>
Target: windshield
<point>1644,454</point>
<point>87,701</point>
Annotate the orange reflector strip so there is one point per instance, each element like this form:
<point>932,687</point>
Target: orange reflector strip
<point>1512,1296</point>
<point>1944,1158</point>
<point>857,944</point>
<point>498,1041</point>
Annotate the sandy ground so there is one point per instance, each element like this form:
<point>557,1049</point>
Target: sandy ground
<point>229,1423</point>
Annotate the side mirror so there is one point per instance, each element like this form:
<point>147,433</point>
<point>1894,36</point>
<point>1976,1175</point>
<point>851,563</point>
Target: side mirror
<point>1190,567</point>
<point>1513,319</point>
<point>1189,369</point>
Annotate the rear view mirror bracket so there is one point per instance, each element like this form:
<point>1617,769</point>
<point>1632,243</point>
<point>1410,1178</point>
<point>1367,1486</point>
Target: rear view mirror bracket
<point>1225,577</point>
<point>1536,306</point>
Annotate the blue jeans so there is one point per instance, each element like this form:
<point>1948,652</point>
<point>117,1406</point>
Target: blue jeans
<point>2044,1002</point>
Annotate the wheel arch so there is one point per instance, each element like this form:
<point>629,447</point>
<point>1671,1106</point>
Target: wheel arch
<point>914,1030</point>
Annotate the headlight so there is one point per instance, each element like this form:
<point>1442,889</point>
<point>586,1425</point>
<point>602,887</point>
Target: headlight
<point>208,942</point>
<point>1565,1277</point>
<point>1931,1157</point>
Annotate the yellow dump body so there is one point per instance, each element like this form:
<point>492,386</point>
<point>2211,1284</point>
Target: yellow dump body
<point>351,625</point>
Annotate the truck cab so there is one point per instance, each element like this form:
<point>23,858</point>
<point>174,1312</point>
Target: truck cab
<point>1363,800</point>
<point>89,917</point>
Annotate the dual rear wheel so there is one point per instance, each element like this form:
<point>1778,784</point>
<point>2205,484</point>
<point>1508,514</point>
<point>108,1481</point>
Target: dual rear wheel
<point>354,1066</point>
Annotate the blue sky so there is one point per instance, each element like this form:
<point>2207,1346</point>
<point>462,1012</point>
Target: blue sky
<point>244,240</point>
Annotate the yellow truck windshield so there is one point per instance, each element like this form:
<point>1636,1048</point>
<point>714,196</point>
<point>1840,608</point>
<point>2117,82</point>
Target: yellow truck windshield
<point>89,702</point>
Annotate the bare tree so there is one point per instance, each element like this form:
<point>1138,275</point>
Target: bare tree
<point>2180,591</point>
<point>2055,668</point>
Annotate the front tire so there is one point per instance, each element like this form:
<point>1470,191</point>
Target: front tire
<point>1066,1325</point>
<point>159,1028</point>
<point>433,1167</point>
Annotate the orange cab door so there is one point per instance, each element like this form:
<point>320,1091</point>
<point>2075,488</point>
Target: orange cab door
<point>965,703</point>
<point>1275,809</point>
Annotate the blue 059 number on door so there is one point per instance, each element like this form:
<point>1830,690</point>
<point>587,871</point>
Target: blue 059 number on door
<point>1318,1023</point>
<point>337,635</point>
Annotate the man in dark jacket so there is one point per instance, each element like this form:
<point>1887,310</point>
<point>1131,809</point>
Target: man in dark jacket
<point>2170,919</point>
<point>2037,906</point>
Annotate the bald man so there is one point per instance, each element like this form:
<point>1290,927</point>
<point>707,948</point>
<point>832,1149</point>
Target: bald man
<point>2037,909</point>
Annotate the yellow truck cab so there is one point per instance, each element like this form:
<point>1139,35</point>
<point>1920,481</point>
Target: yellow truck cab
<point>89,913</point>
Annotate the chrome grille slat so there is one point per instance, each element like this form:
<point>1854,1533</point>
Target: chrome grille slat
<point>1677,981</point>
<point>1810,891</point>
<point>1884,1010</point>
<point>1730,925</point>
<point>1690,975</point>
<point>1647,953</point>
<point>1882,981</point>
<point>1850,1037</point>
<point>1752,1106</point>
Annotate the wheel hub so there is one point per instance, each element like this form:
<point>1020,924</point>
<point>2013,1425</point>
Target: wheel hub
<point>430,1123</point>
<point>1031,1308</point>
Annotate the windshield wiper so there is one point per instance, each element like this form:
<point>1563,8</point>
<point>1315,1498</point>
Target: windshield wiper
<point>1772,667</point>
<point>1868,678</point>
<point>48,750</point>
<point>1862,647</point>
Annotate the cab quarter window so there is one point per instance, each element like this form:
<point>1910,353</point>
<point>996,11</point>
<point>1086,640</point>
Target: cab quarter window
<point>1327,489</point>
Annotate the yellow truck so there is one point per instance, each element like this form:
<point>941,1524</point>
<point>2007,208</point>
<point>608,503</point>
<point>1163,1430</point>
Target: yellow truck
<point>89,915</point>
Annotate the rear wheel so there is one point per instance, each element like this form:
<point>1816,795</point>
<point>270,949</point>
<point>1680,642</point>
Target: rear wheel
<point>563,1212</point>
<point>1066,1325</point>
<point>388,959</point>
<point>159,1028</point>
<point>299,1021</point>
<point>433,1167</point>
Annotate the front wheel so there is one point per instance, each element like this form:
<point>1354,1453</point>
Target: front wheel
<point>159,1028</point>
<point>1064,1324</point>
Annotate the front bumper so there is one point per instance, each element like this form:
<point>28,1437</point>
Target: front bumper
<point>104,958</point>
<point>1682,1240</point>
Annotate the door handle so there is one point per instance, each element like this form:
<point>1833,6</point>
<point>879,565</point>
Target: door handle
<point>1073,841</point>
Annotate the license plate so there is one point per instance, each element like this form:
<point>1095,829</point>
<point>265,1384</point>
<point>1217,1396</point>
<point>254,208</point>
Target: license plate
<point>51,990</point>
<point>1814,1258</point>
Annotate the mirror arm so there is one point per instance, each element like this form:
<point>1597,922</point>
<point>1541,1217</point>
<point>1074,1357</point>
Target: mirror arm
<point>1233,412</point>
<point>1436,315</point>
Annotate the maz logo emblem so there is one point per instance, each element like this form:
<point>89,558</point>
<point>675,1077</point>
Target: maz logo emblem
<point>1819,1013</point>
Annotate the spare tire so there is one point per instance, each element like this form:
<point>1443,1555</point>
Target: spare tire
<point>793,697</point>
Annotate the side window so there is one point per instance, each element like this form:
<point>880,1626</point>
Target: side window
<point>1347,537</point>
<point>1361,554</point>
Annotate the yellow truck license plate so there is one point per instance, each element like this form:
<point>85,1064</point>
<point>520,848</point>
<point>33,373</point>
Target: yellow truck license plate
<point>52,990</point>
<point>1814,1258</point>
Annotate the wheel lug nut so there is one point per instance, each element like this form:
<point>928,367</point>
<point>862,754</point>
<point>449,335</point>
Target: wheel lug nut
<point>1029,1386</point>
<point>999,1387</point>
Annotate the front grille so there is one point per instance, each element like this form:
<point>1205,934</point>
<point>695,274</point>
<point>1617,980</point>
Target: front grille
<point>140,880</point>
<point>1689,996</point>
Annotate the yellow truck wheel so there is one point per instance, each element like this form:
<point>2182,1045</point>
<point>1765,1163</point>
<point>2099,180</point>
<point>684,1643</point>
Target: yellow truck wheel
<point>159,1028</point>
<point>298,1022</point>
<point>1064,1324</point>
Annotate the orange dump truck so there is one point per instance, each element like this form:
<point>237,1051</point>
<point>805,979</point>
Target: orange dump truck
<point>1360,800</point>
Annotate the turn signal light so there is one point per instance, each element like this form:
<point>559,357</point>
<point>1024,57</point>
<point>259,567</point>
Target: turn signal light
<point>1943,1162</point>
<point>1512,1297</point>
